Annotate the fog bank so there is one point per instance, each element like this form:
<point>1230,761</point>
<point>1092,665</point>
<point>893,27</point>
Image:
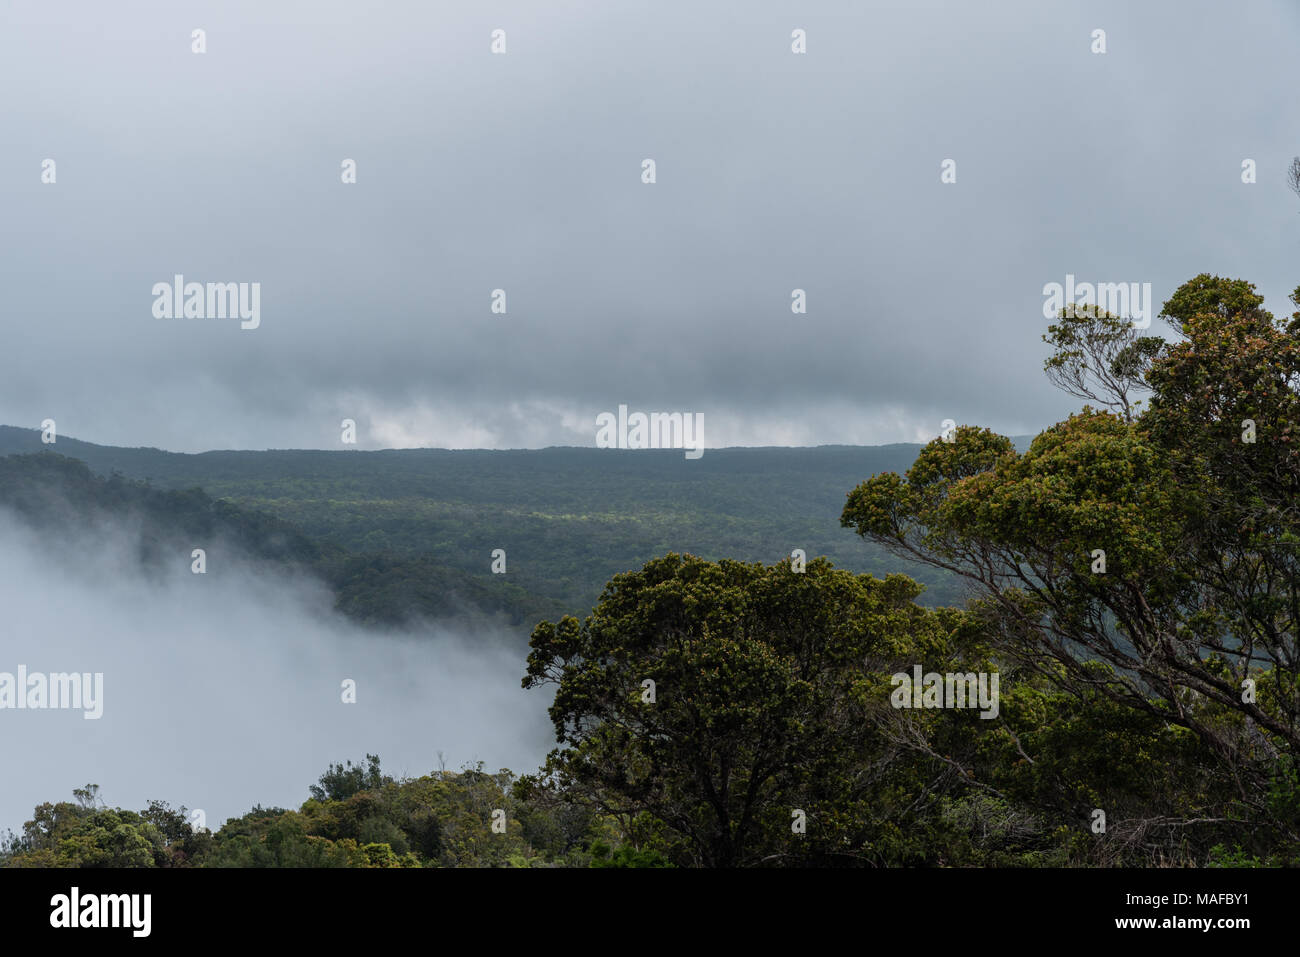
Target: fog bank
<point>224,690</point>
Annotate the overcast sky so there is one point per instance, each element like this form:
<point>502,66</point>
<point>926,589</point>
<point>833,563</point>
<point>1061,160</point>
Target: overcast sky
<point>523,172</point>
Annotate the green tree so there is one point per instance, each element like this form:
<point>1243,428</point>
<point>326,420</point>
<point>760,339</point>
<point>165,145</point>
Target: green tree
<point>703,703</point>
<point>340,783</point>
<point>1163,544</point>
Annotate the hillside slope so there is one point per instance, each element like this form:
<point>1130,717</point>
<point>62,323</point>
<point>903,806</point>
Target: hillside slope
<point>568,518</point>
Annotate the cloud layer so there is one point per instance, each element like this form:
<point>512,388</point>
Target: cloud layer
<point>522,172</point>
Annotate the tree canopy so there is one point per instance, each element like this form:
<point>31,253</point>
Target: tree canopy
<point>1161,543</point>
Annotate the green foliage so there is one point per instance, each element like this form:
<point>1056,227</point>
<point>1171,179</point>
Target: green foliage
<point>1100,357</point>
<point>625,856</point>
<point>440,820</point>
<point>340,783</point>
<point>761,705</point>
<point>408,534</point>
<point>1221,856</point>
<point>358,817</point>
<point>86,834</point>
<point>1145,560</point>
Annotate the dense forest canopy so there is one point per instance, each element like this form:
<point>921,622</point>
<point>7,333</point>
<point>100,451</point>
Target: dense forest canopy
<point>569,519</point>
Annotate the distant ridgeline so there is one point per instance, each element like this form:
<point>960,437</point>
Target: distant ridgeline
<point>409,533</point>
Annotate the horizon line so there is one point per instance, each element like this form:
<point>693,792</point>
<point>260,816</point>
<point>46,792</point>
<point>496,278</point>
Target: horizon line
<point>430,448</point>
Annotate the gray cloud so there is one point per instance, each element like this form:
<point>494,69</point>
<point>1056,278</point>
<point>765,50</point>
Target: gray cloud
<point>521,171</point>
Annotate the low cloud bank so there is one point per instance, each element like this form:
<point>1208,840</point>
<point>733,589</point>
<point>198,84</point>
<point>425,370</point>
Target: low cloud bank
<point>224,690</point>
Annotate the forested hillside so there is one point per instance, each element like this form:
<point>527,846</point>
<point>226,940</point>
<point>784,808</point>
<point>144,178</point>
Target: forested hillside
<point>62,498</point>
<point>568,518</point>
